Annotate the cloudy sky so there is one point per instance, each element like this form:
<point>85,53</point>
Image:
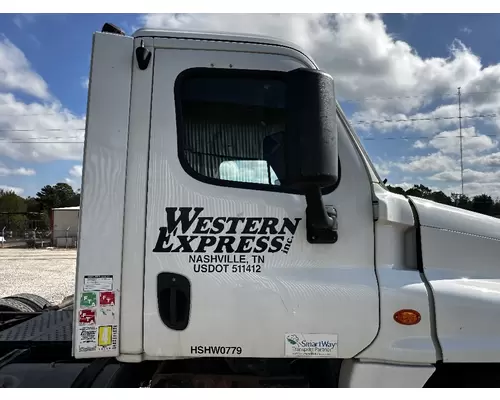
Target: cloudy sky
<point>396,78</point>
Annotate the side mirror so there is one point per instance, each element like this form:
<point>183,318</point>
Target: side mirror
<point>312,150</point>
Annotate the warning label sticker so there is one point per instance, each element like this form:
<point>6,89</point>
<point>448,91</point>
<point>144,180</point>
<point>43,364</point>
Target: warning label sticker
<point>88,299</point>
<point>87,317</point>
<point>87,338</point>
<point>107,337</point>
<point>97,283</point>
<point>107,298</point>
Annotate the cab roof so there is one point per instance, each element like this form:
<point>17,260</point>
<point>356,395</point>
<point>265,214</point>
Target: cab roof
<point>217,36</point>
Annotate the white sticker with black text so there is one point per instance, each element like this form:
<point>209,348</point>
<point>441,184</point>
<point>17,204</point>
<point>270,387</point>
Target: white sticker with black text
<point>87,338</point>
<point>300,345</point>
<point>97,283</point>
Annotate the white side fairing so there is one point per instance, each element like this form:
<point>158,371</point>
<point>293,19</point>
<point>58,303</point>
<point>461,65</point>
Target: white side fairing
<point>247,307</point>
<point>461,260</point>
<point>96,329</point>
<point>401,287</point>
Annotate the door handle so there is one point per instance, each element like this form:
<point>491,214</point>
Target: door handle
<point>174,300</point>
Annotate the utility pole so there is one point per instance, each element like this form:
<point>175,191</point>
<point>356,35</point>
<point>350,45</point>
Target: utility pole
<point>461,138</point>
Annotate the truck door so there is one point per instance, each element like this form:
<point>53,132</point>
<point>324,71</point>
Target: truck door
<point>228,267</point>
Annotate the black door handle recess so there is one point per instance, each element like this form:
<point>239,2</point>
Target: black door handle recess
<point>174,300</point>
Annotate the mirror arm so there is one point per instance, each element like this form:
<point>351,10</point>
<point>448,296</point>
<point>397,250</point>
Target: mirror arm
<point>321,220</point>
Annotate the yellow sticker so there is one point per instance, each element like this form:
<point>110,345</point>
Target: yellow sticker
<point>104,337</point>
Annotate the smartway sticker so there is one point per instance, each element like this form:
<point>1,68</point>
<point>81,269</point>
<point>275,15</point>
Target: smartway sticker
<point>312,345</point>
<point>97,283</point>
<point>224,244</point>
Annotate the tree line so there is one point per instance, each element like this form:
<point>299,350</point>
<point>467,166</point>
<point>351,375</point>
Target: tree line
<point>483,203</point>
<point>20,214</point>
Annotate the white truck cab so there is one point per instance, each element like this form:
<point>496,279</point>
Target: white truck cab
<point>239,218</point>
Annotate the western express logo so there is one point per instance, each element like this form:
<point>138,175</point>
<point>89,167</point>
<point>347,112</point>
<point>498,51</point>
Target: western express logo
<point>187,231</point>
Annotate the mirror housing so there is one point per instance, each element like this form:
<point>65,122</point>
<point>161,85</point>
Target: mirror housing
<point>312,149</point>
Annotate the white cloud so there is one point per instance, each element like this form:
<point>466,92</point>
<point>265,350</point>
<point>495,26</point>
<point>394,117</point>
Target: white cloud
<point>76,171</point>
<point>430,163</point>
<point>21,19</point>
<point>76,177</point>
<point>448,142</point>
<point>364,59</point>
<point>17,190</point>
<point>6,171</point>
<point>470,176</point>
<point>472,189</point>
<point>489,160</point>
<point>84,81</point>
<point>39,132</point>
<point>383,167</point>
<point>16,73</point>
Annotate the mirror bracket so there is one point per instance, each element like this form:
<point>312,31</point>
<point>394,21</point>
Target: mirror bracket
<point>321,220</point>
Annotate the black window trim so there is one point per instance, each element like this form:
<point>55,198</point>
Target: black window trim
<point>211,72</point>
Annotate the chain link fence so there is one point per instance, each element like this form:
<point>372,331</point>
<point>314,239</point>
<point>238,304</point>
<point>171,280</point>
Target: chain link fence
<point>32,230</point>
<point>30,238</point>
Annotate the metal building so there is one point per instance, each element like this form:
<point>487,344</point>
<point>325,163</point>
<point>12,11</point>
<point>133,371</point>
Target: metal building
<point>64,226</point>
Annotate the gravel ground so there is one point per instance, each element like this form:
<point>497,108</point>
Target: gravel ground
<point>47,273</point>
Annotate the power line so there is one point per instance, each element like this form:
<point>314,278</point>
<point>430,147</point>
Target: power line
<point>63,140</point>
<point>57,142</point>
<point>358,122</point>
<point>427,137</point>
<point>354,100</point>
<point>36,114</point>
<point>43,130</point>
<point>43,138</point>
<point>354,122</point>
<point>417,96</point>
<point>480,92</point>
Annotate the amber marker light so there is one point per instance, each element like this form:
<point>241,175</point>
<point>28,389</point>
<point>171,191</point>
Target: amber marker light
<point>407,317</point>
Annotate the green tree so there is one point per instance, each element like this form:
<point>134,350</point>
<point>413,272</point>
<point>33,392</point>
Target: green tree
<point>461,201</point>
<point>396,189</point>
<point>32,205</point>
<point>59,195</point>
<point>10,204</point>
<point>496,208</point>
<point>419,191</point>
<point>440,197</point>
<point>482,204</point>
